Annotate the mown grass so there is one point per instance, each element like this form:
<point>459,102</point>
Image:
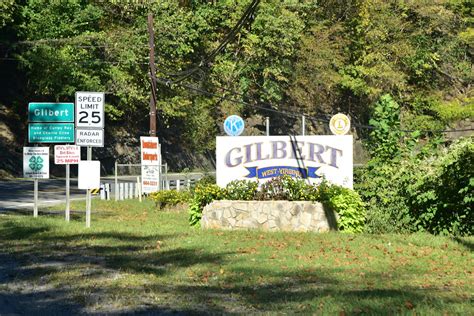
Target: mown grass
<point>136,259</point>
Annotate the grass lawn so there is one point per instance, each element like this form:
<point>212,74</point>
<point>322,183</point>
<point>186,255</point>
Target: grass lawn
<point>137,259</point>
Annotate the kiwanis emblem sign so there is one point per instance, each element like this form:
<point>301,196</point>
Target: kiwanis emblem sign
<point>264,157</point>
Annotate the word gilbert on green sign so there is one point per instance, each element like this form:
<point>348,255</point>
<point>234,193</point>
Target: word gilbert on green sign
<point>50,112</point>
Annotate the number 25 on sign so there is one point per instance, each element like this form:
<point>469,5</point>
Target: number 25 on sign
<point>90,109</point>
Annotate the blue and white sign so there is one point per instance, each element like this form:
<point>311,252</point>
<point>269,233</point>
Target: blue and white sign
<point>234,125</point>
<point>261,158</point>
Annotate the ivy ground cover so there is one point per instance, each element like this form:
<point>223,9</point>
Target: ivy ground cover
<point>138,259</point>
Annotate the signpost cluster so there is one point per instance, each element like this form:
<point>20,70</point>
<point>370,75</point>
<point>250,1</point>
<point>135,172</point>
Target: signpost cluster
<point>81,123</point>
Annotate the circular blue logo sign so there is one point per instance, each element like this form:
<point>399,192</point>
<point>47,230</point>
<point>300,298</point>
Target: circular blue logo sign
<point>234,125</point>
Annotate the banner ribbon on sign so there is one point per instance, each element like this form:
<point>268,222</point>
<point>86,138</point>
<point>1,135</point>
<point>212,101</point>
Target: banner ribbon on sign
<point>276,171</point>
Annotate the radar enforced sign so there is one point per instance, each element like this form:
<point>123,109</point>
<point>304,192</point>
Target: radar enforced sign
<point>90,137</point>
<point>36,162</point>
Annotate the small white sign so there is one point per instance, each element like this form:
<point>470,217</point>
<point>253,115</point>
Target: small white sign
<point>150,178</point>
<point>90,137</point>
<point>67,154</point>
<point>260,158</point>
<point>150,151</point>
<point>340,124</point>
<point>89,175</point>
<point>150,157</point>
<point>36,162</point>
<point>90,109</point>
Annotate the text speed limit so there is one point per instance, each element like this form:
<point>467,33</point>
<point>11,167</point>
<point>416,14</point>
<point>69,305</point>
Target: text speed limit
<point>90,109</point>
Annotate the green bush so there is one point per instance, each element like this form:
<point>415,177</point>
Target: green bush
<point>166,198</point>
<point>241,190</point>
<point>203,195</point>
<point>440,201</point>
<point>430,191</point>
<point>347,203</point>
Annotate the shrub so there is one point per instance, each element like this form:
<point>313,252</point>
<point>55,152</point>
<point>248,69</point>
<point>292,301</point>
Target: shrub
<point>347,203</point>
<point>166,198</point>
<point>203,195</point>
<point>425,192</point>
<point>241,190</point>
<point>441,200</point>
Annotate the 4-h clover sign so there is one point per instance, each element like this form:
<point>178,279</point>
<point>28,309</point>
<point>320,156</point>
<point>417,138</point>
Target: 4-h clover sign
<point>36,162</point>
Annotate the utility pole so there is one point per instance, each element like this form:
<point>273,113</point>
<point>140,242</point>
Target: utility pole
<point>151,43</point>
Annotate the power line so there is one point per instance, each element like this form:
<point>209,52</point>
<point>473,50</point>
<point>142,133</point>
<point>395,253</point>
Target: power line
<point>227,39</point>
<point>293,114</point>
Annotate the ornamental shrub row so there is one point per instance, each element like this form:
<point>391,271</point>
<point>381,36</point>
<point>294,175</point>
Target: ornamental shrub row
<point>347,203</point>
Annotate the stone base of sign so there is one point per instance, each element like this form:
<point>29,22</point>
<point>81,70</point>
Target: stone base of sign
<point>268,215</point>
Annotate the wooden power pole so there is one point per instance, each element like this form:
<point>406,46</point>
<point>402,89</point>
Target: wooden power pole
<point>151,43</point>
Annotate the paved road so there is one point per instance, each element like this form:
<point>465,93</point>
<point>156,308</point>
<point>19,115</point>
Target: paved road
<point>18,194</point>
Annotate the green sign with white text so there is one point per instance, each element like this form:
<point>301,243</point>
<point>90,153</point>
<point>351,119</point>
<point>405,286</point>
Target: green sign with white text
<point>50,112</point>
<point>51,133</point>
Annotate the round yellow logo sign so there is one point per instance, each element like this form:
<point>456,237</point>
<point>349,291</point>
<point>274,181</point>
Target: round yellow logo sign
<point>340,124</point>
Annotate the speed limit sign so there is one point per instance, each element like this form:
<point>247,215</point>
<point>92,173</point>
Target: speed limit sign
<point>90,109</point>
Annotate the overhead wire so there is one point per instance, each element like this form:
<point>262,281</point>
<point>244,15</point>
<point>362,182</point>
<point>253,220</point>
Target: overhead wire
<point>289,114</point>
<point>182,75</point>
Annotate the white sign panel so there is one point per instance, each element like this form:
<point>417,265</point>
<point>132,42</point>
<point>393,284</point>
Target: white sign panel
<point>36,162</point>
<point>150,157</point>
<point>261,158</point>
<point>67,154</point>
<point>89,175</point>
<point>90,109</point>
<point>90,137</point>
<point>150,178</point>
<point>150,151</point>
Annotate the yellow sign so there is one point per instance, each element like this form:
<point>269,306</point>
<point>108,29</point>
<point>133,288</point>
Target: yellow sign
<point>340,124</point>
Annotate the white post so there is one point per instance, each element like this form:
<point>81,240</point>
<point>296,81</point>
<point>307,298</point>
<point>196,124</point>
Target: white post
<point>178,184</point>
<point>130,190</point>
<point>107,191</point>
<point>126,190</point>
<point>89,195</point>
<point>139,189</point>
<point>166,176</point>
<point>35,207</point>
<point>267,124</point>
<point>102,191</point>
<point>116,182</point>
<point>68,211</point>
<point>121,191</point>
<point>303,125</point>
<point>188,183</point>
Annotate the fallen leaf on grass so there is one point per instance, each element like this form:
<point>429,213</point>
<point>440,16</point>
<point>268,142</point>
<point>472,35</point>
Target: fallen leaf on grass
<point>409,305</point>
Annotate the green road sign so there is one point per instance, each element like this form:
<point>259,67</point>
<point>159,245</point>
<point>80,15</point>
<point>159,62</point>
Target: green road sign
<point>51,133</point>
<point>51,112</point>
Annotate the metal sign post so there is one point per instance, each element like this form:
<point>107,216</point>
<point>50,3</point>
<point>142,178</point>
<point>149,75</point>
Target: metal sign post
<point>267,124</point>
<point>89,196</point>
<point>303,125</point>
<point>35,207</point>
<point>67,193</point>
